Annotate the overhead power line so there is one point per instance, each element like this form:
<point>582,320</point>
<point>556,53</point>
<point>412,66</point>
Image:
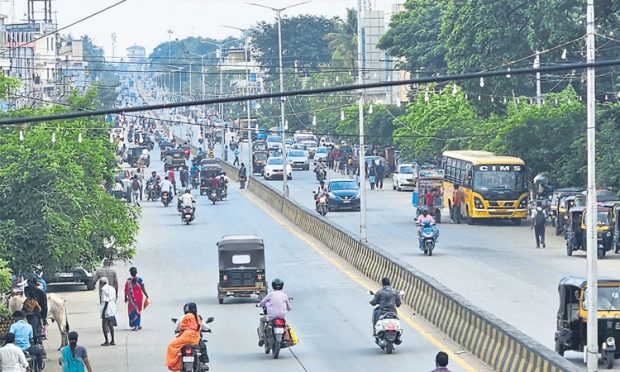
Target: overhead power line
<point>303,92</point>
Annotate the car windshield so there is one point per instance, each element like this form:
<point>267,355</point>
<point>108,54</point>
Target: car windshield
<point>407,169</point>
<point>321,150</point>
<point>274,139</point>
<point>608,299</point>
<point>343,185</point>
<point>274,161</point>
<point>603,217</point>
<point>296,153</point>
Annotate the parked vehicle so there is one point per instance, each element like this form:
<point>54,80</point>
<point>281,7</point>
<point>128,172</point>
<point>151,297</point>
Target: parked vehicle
<point>404,177</point>
<point>75,275</point>
<point>572,317</point>
<point>575,229</point>
<point>566,202</point>
<point>555,201</point>
<point>241,261</point>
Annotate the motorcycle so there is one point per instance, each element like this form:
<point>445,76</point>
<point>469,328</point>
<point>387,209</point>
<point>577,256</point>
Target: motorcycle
<point>213,195</point>
<point>387,330</point>
<point>187,216</point>
<point>321,174</point>
<point>274,335</point>
<point>165,198</point>
<point>428,237</point>
<point>32,363</point>
<point>152,192</point>
<point>194,357</point>
<point>321,204</point>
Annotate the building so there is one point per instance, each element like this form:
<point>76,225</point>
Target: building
<point>136,53</point>
<point>373,58</point>
<point>71,66</point>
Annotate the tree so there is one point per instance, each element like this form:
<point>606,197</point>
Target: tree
<point>343,42</point>
<point>378,126</point>
<point>415,35</point>
<point>55,214</point>
<point>303,42</point>
<point>434,123</point>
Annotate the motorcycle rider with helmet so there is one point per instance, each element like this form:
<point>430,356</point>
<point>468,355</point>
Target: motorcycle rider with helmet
<point>423,218</point>
<point>277,304</point>
<point>386,300</point>
<point>322,189</point>
<point>188,330</point>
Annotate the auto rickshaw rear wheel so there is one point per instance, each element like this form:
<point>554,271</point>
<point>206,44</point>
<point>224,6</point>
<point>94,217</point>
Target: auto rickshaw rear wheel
<point>220,301</point>
<point>559,348</point>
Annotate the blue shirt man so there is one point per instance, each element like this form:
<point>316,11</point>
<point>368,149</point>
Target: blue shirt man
<point>23,333</point>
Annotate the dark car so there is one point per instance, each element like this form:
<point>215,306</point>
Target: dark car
<point>76,275</point>
<point>343,194</point>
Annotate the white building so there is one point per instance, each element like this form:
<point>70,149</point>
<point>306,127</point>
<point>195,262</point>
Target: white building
<point>71,65</point>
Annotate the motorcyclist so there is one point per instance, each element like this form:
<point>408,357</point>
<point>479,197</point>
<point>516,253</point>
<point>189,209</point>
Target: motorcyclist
<point>188,330</point>
<point>214,183</point>
<point>386,300</point>
<point>319,170</point>
<point>166,185</point>
<point>223,183</point>
<point>187,200</point>
<point>277,304</point>
<point>421,220</point>
<point>322,189</point>
<point>154,179</point>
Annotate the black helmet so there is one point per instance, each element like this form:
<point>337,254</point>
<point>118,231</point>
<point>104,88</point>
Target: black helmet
<point>425,211</point>
<point>277,284</point>
<point>190,307</point>
<point>188,191</point>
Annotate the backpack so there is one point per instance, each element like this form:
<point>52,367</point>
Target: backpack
<point>135,185</point>
<point>539,219</point>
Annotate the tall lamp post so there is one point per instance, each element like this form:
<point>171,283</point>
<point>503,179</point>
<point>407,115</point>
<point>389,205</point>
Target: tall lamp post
<point>283,133</point>
<point>591,246</point>
<point>362,151</point>
<point>247,82</point>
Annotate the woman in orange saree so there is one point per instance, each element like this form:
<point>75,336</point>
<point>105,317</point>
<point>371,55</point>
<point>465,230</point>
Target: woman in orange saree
<point>189,333</point>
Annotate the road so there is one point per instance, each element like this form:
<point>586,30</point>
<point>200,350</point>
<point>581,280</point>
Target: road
<point>493,265</point>
<point>179,264</point>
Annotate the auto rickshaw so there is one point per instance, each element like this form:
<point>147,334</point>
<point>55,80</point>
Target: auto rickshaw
<point>259,146</point>
<point>242,267</point>
<point>616,227</point>
<point>575,230</point>
<point>259,159</point>
<point>178,159</point>
<point>572,318</point>
<point>555,201</point>
<point>565,204</point>
<point>207,172</point>
<point>133,154</point>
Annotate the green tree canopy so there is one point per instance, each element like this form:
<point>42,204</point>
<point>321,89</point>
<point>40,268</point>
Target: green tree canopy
<point>343,42</point>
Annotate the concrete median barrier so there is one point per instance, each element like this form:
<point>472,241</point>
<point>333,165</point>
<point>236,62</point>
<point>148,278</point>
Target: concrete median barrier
<point>490,339</point>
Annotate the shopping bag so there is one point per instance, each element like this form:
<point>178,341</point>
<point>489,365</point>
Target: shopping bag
<point>147,302</point>
<point>293,336</point>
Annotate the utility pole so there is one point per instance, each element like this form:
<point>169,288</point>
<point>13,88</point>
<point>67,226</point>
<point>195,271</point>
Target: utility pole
<point>591,246</point>
<point>362,151</point>
<point>170,32</point>
<point>538,89</point>
<point>283,99</point>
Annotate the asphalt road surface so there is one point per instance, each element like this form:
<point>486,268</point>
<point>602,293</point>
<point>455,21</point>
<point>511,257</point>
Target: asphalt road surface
<point>178,263</point>
<point>494,265</point>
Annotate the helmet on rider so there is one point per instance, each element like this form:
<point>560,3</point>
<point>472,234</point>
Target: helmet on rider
<point>322,183</point>
<point>277,284</point>
<point>425,211</point>
<point>188,191</point>
<point>190,307</point>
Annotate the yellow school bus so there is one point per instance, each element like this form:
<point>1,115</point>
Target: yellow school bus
<point>491,186</point>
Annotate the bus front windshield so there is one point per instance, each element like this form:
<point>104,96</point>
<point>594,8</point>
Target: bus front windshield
<point>500,181</point>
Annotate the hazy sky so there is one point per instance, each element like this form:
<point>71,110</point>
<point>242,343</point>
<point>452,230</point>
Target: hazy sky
<point>145,22</point>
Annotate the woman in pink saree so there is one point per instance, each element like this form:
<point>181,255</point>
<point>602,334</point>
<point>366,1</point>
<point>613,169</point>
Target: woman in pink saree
<point>134,297</point>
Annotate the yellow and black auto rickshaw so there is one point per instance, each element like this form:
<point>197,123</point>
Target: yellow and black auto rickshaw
<point>259,159</point>
<point>242,267</point>
<point>572,318</point>
<point>575,229</point>
<point>207,172</point>
<point>565,204</point>
<point>616,228</point>
<point>555,202</point>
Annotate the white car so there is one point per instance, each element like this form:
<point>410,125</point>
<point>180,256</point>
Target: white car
<point>298,159</point>
<point>275,169</point>
<point>321,154</point>
<point>274,142</point>
<point>404,177</point>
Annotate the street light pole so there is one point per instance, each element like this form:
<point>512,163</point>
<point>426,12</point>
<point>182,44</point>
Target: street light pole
<point>362,152</point>
<point>279,11</point>
<point>591,247</point>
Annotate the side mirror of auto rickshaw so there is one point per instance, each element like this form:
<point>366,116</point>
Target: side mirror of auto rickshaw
<point>210,319</point>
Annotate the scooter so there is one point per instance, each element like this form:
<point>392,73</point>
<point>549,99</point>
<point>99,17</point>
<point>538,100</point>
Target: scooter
<point>428,237</point>
<point>387,330</point>
<point>165,198</point>
<point>213,195</point>
<point>194,357</point>
<point>187,215</point>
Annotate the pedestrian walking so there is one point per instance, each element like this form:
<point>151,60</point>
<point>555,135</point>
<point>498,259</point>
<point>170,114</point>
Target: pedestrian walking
<point>457,201</point>
<point>106,271</point>
<point>236,153</point>
<point>135,190</point>
<point>539,217</point>
<point>140,174</point>
<point>341,164</point>
<point>372,175</point>
<point>73,357</point>
<point>242,176</point>
<point>184,177</point>
<point>135,294</point>
<point>107,309</point>
<point>380,170</point>
<point>441,362</point>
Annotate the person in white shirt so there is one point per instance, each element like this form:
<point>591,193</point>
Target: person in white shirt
<point>187,200</point>
<point>107,309</point>
<point>166,185</point>
<point>12,358</point>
